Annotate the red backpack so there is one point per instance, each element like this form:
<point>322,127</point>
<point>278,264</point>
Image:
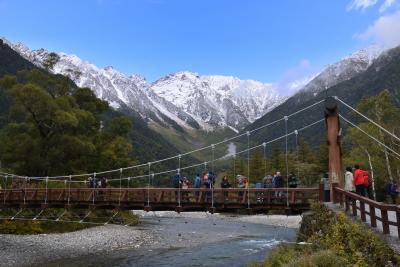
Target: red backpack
<point>366,178</point>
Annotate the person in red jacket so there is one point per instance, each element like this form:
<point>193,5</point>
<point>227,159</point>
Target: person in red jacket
<point>359,180</point>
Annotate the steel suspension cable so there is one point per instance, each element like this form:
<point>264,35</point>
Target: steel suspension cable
<point>297,153</point>
<point>69,190</point>
<point>26,178</point>
<point>286,161</point>
<point>248,169</point>
<point>120,187</point>
<point>265,158</point>
<point>370,120</point>
<point>148,186</point>
<point>218,159</point>
<point>47,182</point>
<point>5,187</point>
<point>180,181</point>
<point>186,153</point>
<point>213,176</point>
<point>370,136</point>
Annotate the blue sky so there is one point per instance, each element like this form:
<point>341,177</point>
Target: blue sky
<point>270,41</point>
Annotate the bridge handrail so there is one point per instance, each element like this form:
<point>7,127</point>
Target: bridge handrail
<point>148,198</point>
<point>348,198</point>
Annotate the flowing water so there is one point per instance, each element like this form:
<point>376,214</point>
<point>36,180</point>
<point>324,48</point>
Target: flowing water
<point>195,240</point>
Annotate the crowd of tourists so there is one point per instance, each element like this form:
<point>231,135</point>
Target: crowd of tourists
<point>359,181</point>
<point>93,182</point>
<point>207,180</point>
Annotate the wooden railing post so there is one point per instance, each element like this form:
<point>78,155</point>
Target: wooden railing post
<point>354,207</point>
<point>346,203</point>
<point>385,221</point>
<point>321,192</point>
<point>362,211</point>
<point>372,215</point>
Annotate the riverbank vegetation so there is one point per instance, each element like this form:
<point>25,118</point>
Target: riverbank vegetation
<point>330,239</point>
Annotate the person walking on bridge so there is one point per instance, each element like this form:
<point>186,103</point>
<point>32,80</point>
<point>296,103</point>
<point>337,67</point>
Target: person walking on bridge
<point>349,180</point>
<point>359,180</point>
<point>225,184</point>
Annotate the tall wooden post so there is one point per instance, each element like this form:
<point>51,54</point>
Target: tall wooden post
<point>334,146</point>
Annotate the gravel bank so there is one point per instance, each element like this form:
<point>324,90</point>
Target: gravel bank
<point>158,230</point>
<point>292,221</point>
<point>17,250</point>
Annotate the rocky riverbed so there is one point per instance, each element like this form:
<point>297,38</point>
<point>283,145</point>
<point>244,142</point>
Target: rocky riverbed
<point>161,232</point>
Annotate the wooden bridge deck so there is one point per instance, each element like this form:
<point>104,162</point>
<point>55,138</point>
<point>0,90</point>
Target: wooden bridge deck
<point>259,200</point>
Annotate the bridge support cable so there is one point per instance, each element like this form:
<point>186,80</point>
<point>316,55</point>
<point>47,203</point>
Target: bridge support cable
<point>61,215</point>
<point>265,159</point>
<point>286,161</point>
<point>248,169</point>
<point>234,167</point>
<point>93,188</point>
<point>13,217</point>
<point>148,185</point>
<point>47,190</point>
<point>370,136</point>
<point>69,190</point>
<point>296,133</point>
<point>87,215</point>
<point>112,217</point>
<point>370,120</point>
<point>120,187</point>
<point>38,215</point>
<point>213,176</point>
<point>186,153</point>
<point>180,181</point>
<point>26,180</point>
<point>5,178</point>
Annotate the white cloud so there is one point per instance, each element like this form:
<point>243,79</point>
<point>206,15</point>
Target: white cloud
<point>296,77</point>
<point>364,4</point>
<point>386,5</point>
<point>384,31</point>
<point>361,4</point>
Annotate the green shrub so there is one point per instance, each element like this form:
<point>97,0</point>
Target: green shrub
<point>335,241</point>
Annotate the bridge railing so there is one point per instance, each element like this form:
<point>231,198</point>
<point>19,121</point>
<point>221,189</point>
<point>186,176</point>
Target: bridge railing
<point>387,214</point>
<point>161,198</point>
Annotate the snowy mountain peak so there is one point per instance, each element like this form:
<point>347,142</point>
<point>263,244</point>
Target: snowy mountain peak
<point>368,54</point>
<point>185,97</point>
<point>344,69</point>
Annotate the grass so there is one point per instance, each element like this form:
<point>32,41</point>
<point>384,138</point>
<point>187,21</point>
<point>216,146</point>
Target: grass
<point>69,221</point>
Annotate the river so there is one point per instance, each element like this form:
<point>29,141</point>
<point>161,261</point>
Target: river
<point>197,239</point>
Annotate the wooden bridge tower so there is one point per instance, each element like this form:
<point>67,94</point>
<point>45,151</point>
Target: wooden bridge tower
<point>336,176</point>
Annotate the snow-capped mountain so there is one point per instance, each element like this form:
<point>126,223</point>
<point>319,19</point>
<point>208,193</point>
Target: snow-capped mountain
<point>190,100</point>
<point>217,100</point>
<point>344,69</point>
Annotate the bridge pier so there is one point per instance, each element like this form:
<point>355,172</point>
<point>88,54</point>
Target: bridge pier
<point>334,143</point>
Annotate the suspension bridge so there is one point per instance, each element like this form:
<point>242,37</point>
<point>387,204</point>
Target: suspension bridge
<point>72,192</point>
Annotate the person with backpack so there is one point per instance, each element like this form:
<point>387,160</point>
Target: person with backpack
<point>367,185</point>
<point>327,187</point>
<point>197,185</point>
<point>278,183</point>
<point>225,184</point>
<point>206,181</point>
<point>359,182</point>
<point>293,182</point>
<point>177,181</point>
<point>392,191</point>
